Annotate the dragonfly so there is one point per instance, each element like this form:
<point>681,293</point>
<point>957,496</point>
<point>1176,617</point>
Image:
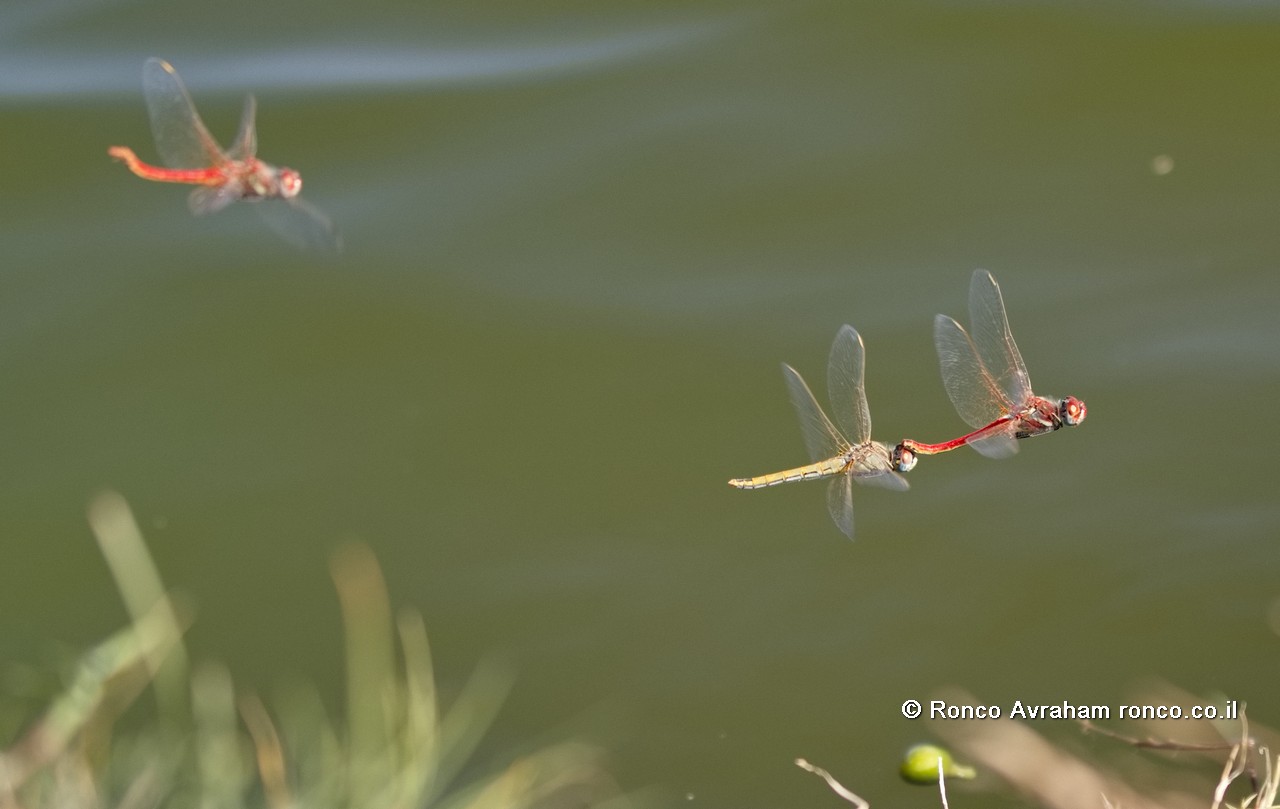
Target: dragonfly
<point>192,156</point>
<point>843,459</point>
<point>987,381</point>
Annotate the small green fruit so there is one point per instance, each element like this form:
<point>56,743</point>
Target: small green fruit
<point>920,765</point>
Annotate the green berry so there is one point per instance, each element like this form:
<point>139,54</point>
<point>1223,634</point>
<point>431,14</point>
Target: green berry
<point>920,765</point>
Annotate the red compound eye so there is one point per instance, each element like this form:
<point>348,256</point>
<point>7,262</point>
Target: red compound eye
<point>290,183</point>
<point>1073,411</point>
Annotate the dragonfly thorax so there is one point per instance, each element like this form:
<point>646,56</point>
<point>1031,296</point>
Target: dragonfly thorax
<point>260,180</point>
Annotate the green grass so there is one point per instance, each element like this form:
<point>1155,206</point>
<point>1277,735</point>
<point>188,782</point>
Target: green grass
<point>211,746</point>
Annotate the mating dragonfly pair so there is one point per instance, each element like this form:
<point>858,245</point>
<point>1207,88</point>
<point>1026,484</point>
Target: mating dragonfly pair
<point>984,376</point>
<point>192,156</point>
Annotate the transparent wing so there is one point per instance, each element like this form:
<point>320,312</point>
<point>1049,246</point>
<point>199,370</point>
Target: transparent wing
<point>212,198</point>
<point>181,137</point>
<point>246,143</point>
<point>973,393</point>
<point>845,386</point>
<point>302,224</point>
<point>994,342</point>
<point>997,444</point>
<point>840,503</point>
<point>821,437</point>
<point>884,479</point>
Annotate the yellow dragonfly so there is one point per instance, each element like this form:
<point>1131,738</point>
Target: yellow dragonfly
<point>833,455</point>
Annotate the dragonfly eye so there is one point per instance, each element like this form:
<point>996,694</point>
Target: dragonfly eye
<point>1072,411</point>
<point>904,460</point>
<point>290,183</point>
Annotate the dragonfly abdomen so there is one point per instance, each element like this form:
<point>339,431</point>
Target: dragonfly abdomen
<point>204,176</point>
<point>821,469</point>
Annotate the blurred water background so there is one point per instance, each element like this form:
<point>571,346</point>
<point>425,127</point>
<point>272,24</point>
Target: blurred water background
<point>580,238</point>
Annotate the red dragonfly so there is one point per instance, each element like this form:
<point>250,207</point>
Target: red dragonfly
<point>194,157</point>
<point>988,383</point>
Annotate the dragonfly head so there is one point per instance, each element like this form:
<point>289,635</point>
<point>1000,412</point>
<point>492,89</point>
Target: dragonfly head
<point>290,183</point>
<point>903,458</point>
<point>1072,411</point>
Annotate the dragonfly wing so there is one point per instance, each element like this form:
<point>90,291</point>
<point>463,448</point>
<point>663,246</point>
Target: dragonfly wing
<point>181,137</point>
<point>972,391</point>
<point>995,343</point>
<point>821,437</point>
<point>301,224</point>
<point>212,198</point>
<point>246,143</point>
<point>840,502</point>
<point>995,444</point>
<point>883,478</point>
<point>845,385</point>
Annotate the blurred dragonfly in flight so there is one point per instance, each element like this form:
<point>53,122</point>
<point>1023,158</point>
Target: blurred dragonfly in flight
<point>844,459</point>
<point>192,156</point>
<point>988,383</point>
